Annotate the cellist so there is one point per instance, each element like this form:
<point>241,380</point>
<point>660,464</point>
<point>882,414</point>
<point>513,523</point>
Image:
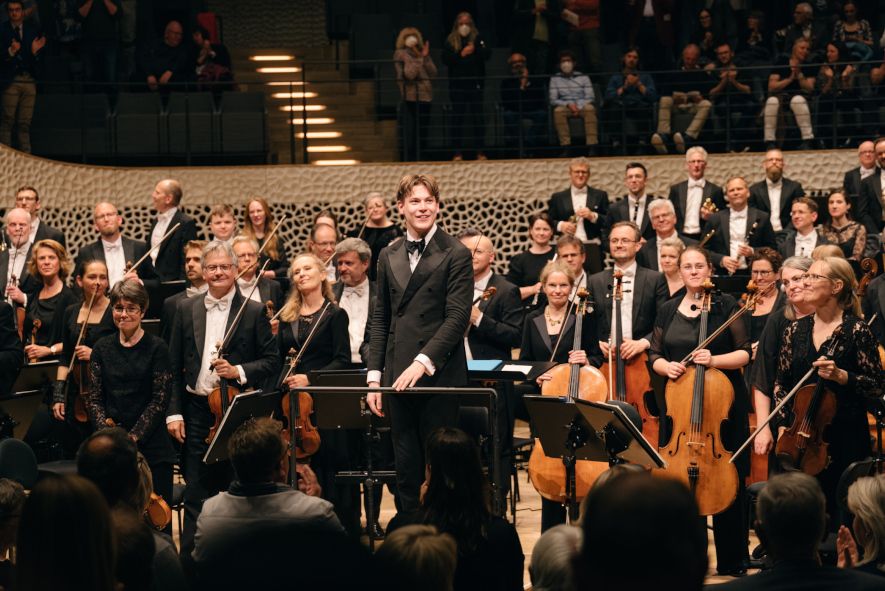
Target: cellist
<point>675,335</point>
<point>853,372</point>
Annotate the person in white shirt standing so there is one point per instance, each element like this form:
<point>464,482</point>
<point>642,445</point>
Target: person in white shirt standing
<point>738,229</point>
<point>690,197</point>
<point>117,251</point>
<point>776,193</point>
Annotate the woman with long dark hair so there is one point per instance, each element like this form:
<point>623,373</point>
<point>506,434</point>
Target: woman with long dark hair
<point>848,234</point>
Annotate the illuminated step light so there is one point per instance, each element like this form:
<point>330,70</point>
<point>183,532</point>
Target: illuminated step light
<point>335,162</point>
<point>312,121</point>
<point>308,108</point>
<point>329,149</point>
<point>279,70</point>
<point>319,135</point>
<point>293,95</point>
<point>283,83</point>
<point>272,58</point>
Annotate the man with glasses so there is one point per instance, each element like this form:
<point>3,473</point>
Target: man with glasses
<point>632,207</point>
<point>14,259</point>
<point>644,291</point>
<point>268,290</point>
<point>866,157</point>
<point>322,242</point>
<point>871,204</point>
<point>663,220</point>
<point>581,211</point>
<point>28,199</point>
<point>738,229</point>
<point>117,251</point>
<point>803,238</point>
<point>250,360</point>
<point>690,197</point>
<point>775,194</point>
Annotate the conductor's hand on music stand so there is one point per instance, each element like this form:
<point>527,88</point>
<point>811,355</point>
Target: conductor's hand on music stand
<point>373,399</point>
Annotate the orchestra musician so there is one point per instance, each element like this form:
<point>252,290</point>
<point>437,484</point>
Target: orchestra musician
<point>632,207</point>
<point>11,354</point>
<point>663,220</point>
<point>765,270</point>
<point>803,237</point>
<point>321,243</point>
<point>44,312</point>
<point>378,230</point>
<point>425,291</point>
<point>258,224</point>
<point>116,250</point>
<point>737,229</point>
<point>250,360</point>
<point>14,259</point>
<point>222,223</point>
<point>524,270</point>
<point>268,290</point>
<point>28,199</point>
<point>874,305</point>
<point>167,259</point>
<point>306,312</point>
<point>690,197</point>
<point>852,373</point>
<point>546,326</point>
<point>669,251</point>
<point>676,333</point>
<point>570,251</point>
<point>581,211</point>
<point>131,383</point>
<point>193,272</point>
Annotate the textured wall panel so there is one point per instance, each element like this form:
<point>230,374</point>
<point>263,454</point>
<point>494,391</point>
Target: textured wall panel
<point>496,196</point>
<point>260,24</point>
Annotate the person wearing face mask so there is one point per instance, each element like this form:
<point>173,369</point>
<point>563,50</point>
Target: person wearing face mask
<point>465,54</point>
<point>523,105</point>
<point>571,94</point>
<point>414,71</point>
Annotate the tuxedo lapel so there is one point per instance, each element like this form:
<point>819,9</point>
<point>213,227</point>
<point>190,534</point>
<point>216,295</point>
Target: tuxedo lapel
<point>198,316</point>
<point>726,230</point>
<point>430,259</point>
<point>683,199</point>
<point>399,263</point>
<point>638,291</point>
<point>541,328</point>
<point>128,250</point>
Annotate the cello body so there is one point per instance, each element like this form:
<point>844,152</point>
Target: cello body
<point>639,392</point>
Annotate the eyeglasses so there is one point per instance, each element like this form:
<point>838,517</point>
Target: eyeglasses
<point>811,277</point>
<point>223,268</point>
<point>25,199</point>
<point>621,241</point>
<point>130,310</point>
<point>761,273</point>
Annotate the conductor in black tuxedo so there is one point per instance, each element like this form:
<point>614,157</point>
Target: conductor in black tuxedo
<point>168,260</point>
<point>11,353</point>
<point>193,270</point>
<point>581,211</point>
<point>251,360</point>
<point>425,284</point>
<point>870,204</point>
<point>776,193</point>
<point>738,229</point>
<point>663,219</point>
<point>690,197</point>
<point>116,250</point>
<point>28,199</point>
<point>866,156</point>
<point>632,208</point>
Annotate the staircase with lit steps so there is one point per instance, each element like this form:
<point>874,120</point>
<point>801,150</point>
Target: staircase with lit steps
<point>342,127</point>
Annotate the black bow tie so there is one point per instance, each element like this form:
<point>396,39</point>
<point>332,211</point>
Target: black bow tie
<point>413,245</point>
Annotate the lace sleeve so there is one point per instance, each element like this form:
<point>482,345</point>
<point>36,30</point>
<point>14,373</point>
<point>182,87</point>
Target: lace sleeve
<point>94,400</point>
<point>783,379</point>
<point>161,387</point>
<point>870,375</point>
<point>860,242</point>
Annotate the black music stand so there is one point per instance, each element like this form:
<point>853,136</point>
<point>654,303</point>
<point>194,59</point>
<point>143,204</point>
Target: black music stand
<point>27,394</point>
<point>158,292</point>
<point>243,407</point>
<point>622,439</point>
<point>566,434</point>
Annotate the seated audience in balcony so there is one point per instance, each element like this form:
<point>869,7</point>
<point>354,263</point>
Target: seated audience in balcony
<point>414,71</point>
<point>791,83</point>
<point>754,44</point>
<point>689,89</point>
<point>571,95</point>
<point>804,26</point>
<point>629,97</point>
<point>99,41</point>
<point>465,53</point>
<point>165,61</point>
<point>583,19</point>
<point>734,105</point>
<point>211,61</point>
<point>855,33</point>
<point>837,85</point>
<point>651,28</point>
<point>534,32</point>
<point>523,105</point>
<point>705,36</point>
<point>22,44</point>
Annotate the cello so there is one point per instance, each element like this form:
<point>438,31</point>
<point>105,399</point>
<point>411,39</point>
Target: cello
<point>548,474</point>
<point>697,404</point>
<point>629,380</point>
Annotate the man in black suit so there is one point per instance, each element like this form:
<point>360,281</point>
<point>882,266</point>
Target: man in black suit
<point>632,207</point>
<point>193,270</point>
<point>870,206</point>
<point>663,220</point>
<point>267,290</point>
<point>422,312</point>
<point>866,156</point>
<point>116,250</point>
<point>569,251</point>
<point>21,47</point>
<point>355,294</point>
<point>581,211</point>
<point>776,193</point>
<point>803,238</point>
<point>167,259</point>
<point>790,521</point>
<point>28,199</point>
<point>251,360</point>
<point>14,260</point>
<point>690,196</point>
<point>644,291</point>
<point>11,353</point>
<point>738,229</point>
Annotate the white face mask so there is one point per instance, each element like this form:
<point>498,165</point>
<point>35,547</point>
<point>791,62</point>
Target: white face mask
<point>567,67</point>
<point>411,41</point>
<point>464,30</point>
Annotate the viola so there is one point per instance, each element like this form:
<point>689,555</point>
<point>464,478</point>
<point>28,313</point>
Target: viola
<point>628,380</point>
<point>158,512</point>
<point>697,405</point>
<point>34,328</point>
<point>220,397</point>
<point>78,371</point>
<point>307,437</point>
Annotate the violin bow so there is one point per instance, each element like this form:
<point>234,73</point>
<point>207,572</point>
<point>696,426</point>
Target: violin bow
<point>263,246</point>
<point>153,248</point>
<point>233,325</point>
<point>82,332</point>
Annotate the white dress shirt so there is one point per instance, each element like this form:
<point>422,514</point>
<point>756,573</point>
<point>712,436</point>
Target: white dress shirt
<point>355,301</point>
<point>774,197</point>
<point>737,229</point>
<point>693,202</point>
<point>580,282</point>
<point>865,172</point>
<point>628,282</point>
<point>479,286</point>
<point>631,208</point>
<point>805,244</point>
<point>18,258</point>
<point>35,225</point>
<point>163,221</point>
<point>248,292</point>
<point>115,259</point>
<point>579,200</point>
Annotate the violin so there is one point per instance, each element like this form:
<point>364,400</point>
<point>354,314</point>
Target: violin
<point>706,238</point>
<point>269,310</point>
<point>220,397</point>
<point>698,402</point>
<point>307,438</point>
<point>629,380</point>
<point>485,295</point>
<point>802,445</point>
<point>34,328</point>
<point>158,512</point>
<point>548,475</point>
<point>77,370</point>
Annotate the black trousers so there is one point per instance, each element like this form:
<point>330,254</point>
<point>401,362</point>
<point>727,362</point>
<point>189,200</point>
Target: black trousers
<point>413,418</point>
<point>731,532</point>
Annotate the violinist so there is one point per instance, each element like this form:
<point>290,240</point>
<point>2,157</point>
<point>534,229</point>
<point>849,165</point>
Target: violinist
<point>676,333</point>
<point>378,230</point>
<point>769,343</point>
<point>44,312</point>
<point>306,311</point>
<point>250,360</point>
<point>16,283</point>
<point>248,266</point>
<point>11,357</point>
<point>167,259</point>
<point>852,373</point>
<point>258,225</point>
<point>546,326</point>
<point>131,382</point>
<point>92,279</point>
<point>765,270</point>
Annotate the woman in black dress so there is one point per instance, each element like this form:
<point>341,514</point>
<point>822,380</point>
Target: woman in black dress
<point>132,383</point>
<point>329,349</point>
<point>378,230</point>
<point>765,271</point>
<point>51,264</point>
<point>848,234</point>
<point>258,224</point>
<point>525,267</point>
<point>853,373</point>
<point>676,333</point>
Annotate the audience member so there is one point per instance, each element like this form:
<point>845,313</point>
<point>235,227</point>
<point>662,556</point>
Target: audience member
<point>652,29</point>
<point>22,44</point>
<point>775,194</point>
<point>866,156</point>
<point>164,61</point>
<point>866,502</point>
<point>631,94</point>
<point>134,550</point>
<point>704,36</point>
<point>211,62</point>
<point>754,46</point>
<point>465,53</point>
<point>100,41</point>
<point>791,83</point>
<point>523,105</point>
<point>583,18</point>
<point>805,27</point>
<point>855,33</point>
<point>418,557</point>
<point>841,229</point>
<point>689,88</point>
<point>12,500</point>
<point>571,95</point>
<point>414,71</point>
<point>839,98</point>
<point>535,30</point>
<point>552,558</point>
<point>734,105</point>
<point>790,521</point>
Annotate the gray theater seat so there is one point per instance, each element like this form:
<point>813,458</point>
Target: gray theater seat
<point>243,123</point>
<point>190,123</point>
<point>137,123</point>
